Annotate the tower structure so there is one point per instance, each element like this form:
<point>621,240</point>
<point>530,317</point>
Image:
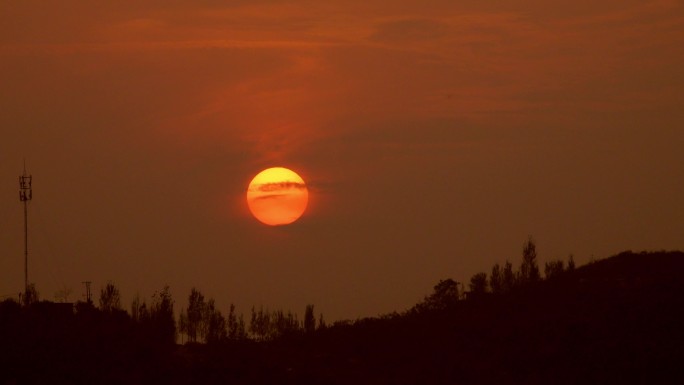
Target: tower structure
<point>25,195</point>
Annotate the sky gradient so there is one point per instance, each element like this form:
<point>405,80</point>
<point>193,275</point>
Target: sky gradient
<point>433,136</point>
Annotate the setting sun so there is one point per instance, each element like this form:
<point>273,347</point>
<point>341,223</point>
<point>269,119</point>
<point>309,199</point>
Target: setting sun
<point>277,196</point>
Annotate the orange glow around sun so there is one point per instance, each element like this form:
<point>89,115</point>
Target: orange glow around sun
<point>277,196</point>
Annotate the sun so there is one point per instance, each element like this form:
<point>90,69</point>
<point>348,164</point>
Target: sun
<point>277,196</point>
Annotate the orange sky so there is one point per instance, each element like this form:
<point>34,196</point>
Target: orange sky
<point>434,137</point>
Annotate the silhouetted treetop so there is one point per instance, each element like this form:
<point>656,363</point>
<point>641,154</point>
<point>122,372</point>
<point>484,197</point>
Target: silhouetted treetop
<point>216,325</point>
<point>162,317</point>
<point>110,299</point>
<point>478,285</point>
<point>31,295</point>
<point>615,320</point>
<point>529,271</point>
<point>508,280</point>
<point>195,327</point>
<point>553,269</point>
<point>496,279</point>
<point>309,319</point>
<point>445,295</point>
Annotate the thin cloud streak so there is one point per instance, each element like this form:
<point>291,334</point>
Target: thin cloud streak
<point>268,196</point>
<point>277,186</point>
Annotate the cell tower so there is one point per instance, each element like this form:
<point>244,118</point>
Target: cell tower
<point>25,195</point>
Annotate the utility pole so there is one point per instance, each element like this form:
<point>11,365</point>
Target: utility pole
<point>25,195</point>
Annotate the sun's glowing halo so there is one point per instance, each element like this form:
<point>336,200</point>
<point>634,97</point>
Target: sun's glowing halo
<point>277,196</point>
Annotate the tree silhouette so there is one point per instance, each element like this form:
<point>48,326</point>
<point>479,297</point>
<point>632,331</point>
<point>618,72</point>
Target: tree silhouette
<point>260,324</point>
<point>321,322</point>
<point>31,295</point>
<point>110,299</point>
<point>183,324</point>
<point>265,325</point>
<point>445,295</point>
<point>236,325</point>
<point>309,319</point>
<point>139,311</point>
<point>614,321</point>
<point>232,323</point>
<point>478,285</point>
<point>253,323</point>
<point>162,318</point>
<point>195,317</point>
<point>571,262</point>
<point>508,280</point>
<point>496,279</point>
<point>63,294</point>
<point>282,324</point>
<point>553,269</point>
<point>241,329</point>
<point>215,322</point>
<point>529,271</point>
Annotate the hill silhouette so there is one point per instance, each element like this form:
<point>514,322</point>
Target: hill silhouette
<point>613,321</point>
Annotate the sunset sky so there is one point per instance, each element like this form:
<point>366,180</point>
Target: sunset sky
<point>433,136</point>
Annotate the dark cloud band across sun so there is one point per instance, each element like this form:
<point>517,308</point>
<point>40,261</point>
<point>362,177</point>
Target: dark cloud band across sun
<point>267,187</point>
<point>269,196</point>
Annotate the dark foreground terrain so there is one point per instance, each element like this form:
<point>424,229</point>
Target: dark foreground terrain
<point>615,321</point>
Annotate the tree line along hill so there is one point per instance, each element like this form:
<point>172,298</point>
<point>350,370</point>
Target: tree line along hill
<point>613,321</point>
